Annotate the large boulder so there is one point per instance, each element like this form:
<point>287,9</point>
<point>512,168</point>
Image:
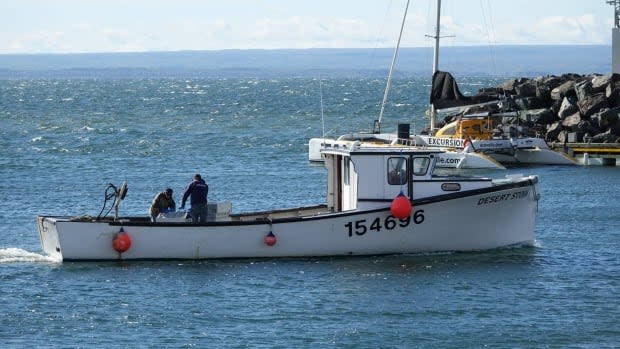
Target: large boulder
<point>510,85</point>
<point>526,89</point>
<point>605,137</point>
<point>613,95</point>
<point>600,82</point>
<point>510,120</point>
<point>550,82</point>
<point>542,116</point>
<point>615,128</point>
<point>563,136</point>
<point>586,126</point>
<point>591,104</point>
<point>583,89</point>
<point>605,118</point>
<point>527,103</point>
<point>571,122</point>
<point>553,131</point>
<point>543,93</point>
<point>568,107</point>
<point>564,90</point>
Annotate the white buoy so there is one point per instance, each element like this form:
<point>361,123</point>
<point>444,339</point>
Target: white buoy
<point>586,159</point>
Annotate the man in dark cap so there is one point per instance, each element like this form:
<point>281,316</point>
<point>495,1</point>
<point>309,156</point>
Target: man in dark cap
<point>197,190</point>
<point>163,202</point>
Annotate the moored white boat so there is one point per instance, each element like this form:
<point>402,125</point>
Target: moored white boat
<point>453,158</point>
<point>479,129</point>
<point>515,151</point>
<point>359,217</point>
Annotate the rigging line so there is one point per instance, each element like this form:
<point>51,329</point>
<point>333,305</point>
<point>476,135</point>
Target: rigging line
<point>490,32</point>
<point>377,40</point>
<point>429,27</point>
<point>389,81</point>
<point>322,116</point>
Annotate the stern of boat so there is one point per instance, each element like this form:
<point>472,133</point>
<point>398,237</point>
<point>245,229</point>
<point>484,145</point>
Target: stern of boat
<point>49,236</point>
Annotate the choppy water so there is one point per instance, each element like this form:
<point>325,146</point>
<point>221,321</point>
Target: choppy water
<point>62,141</point>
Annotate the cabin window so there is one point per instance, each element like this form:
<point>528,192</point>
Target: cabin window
<point>347,172</point>
<point>420,166</point>
<point>449,131</point>
<point>450,187</point>
<point>397,170</point>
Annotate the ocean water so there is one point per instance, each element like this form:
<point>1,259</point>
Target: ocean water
<point>63,140</point>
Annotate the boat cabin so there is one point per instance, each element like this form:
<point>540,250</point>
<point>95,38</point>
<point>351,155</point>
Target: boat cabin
<point>368,177</point>
<point>474,128</point>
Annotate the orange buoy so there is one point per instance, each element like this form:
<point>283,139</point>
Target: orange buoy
<point>401,206</point>
<point>270,239</point>
<point>121,241</point>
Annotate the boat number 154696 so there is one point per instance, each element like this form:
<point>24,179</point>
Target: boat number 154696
<point>362,226</point>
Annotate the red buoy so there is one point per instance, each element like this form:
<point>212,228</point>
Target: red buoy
<point>121,241</point>
<point>401,207</point>
<point>270,239</point>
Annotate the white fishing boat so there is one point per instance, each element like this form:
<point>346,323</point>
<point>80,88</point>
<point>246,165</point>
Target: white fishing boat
<point>380,200</point>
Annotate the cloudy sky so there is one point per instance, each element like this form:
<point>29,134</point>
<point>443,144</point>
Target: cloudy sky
<point>71,26</point>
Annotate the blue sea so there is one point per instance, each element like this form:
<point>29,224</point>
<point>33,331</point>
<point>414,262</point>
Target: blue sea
<point>62,140</point>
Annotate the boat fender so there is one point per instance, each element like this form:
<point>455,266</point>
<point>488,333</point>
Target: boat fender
<point>401,206</point>
<point>121,241</point>
<point>270,239</point>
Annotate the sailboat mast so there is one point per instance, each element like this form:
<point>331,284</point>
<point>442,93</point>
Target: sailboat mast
<point>389,80</point>
<point>437,33</point>
<point>435,62</point>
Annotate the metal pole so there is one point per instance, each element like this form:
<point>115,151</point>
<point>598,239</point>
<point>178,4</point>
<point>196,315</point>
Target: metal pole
<point>436,61</point>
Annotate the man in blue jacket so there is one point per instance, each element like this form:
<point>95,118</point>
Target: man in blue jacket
<point>197,190</point>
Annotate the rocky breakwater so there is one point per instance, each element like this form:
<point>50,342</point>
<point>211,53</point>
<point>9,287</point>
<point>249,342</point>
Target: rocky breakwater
<point>568,108</point>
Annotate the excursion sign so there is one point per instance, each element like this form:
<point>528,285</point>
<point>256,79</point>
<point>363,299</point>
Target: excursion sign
<point>445,142</point>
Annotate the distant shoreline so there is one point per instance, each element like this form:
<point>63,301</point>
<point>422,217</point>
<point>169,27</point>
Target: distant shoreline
<point>502,61</point>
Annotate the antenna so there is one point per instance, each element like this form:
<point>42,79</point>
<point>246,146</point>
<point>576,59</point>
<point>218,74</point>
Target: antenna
<point>389,81</point>
<point>436,58</point>
<point>322,118</point>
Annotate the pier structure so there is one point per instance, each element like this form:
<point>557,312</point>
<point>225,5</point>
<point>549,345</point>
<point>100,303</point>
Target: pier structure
<point>604,154</point>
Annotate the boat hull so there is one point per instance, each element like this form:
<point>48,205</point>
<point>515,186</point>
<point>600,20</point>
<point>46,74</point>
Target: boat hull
<point>481,219</point>
<point>526,151</point>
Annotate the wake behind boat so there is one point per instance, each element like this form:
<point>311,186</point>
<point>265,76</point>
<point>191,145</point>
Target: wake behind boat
<point>380,200</point>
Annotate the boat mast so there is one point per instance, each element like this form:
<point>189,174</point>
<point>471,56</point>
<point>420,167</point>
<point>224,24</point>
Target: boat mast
<point>435,63</point>
<point>377,126</point>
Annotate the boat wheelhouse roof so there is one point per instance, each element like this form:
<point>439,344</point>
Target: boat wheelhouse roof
<point>356,148</point>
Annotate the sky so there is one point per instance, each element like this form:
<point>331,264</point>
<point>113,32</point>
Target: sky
<point>79,26</point>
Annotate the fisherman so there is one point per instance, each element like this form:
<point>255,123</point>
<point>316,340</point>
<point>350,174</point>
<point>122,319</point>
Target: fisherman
<point>163,202</point>
<point>198,190</point>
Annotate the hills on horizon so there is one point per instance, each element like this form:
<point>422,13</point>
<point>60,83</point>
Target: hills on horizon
<point>527,61</point>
